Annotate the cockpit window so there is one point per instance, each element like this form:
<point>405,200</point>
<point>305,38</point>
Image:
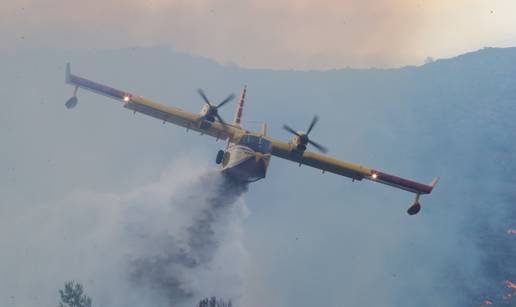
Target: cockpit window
<point>256,143</point>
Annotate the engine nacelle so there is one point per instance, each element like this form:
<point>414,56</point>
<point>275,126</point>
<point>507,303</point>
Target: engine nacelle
<point>301,147</point>
<point>298,142</point>
<point>300,139</point>
<point>208,112</point>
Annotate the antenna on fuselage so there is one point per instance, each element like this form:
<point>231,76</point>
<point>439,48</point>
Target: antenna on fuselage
<point>240,107</point>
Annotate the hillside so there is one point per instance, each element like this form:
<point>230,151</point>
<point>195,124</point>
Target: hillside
<point>452,118</point>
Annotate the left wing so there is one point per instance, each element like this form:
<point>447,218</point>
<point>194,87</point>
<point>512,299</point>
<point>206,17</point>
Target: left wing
<point>162,112</point>
<point>354,171</point>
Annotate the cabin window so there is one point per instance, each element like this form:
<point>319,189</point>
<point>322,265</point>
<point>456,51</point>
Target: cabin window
<point>256,143</point>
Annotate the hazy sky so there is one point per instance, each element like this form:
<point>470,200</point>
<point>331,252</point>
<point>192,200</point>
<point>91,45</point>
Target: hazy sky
<point>272,34</point>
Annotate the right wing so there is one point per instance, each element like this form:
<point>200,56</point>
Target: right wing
<point>162,112</point>
<point>354,171</point>
<point>325,163</point>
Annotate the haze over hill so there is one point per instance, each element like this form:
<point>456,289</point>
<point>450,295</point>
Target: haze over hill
<point>311,239</point>
<point>268,33</point>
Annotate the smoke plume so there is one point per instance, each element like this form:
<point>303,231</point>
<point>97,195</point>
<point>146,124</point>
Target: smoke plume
<point>167,243</point>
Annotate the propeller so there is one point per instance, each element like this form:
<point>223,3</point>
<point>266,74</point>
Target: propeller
<point>303,136</point>
<point>212,111</point>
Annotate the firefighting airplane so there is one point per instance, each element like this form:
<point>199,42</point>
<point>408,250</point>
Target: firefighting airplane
<point>247,154</point>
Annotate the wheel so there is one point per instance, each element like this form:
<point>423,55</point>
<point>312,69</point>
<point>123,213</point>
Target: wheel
<point>220,156</point>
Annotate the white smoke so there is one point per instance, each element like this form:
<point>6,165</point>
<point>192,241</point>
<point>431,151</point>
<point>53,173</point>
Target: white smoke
<point>167,243</point>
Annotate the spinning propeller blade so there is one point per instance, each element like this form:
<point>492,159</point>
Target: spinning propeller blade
<point>303,137</point>
<point>204,96</point>
<point>213,110</point>
<point>228,99</point>
<point>290,130</point>
<point>318,146</point>
<point>312,124</point>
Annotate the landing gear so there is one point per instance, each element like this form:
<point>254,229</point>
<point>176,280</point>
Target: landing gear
<point>220,157</point>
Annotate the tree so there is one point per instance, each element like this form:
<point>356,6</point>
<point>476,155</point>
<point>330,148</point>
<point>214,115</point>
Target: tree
<point>73,296</point>
<point>214,302</point>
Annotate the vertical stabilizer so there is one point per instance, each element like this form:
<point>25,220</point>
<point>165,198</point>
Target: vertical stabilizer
<point>240,107</point>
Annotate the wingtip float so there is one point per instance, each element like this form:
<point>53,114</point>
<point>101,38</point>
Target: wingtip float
<point>247,154</point>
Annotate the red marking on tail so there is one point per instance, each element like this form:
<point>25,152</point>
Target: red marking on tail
<point>240,107</point>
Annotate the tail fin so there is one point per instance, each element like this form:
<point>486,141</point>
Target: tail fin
<point>240,107</point>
